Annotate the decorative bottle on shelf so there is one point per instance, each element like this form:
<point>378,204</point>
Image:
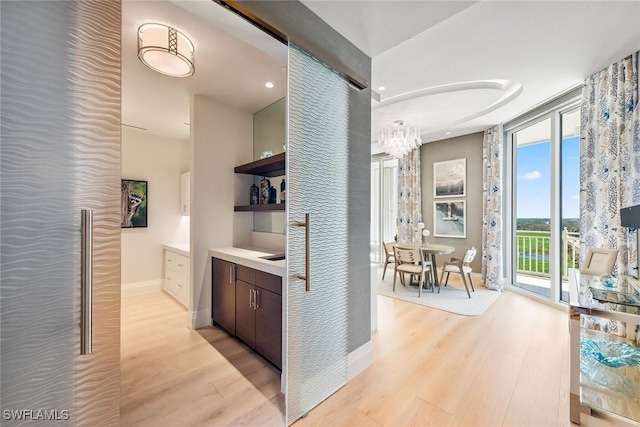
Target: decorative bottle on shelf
<point>265,186</point>
<point>283,192</point>
<point>272,195</point>
<point>253,194</point>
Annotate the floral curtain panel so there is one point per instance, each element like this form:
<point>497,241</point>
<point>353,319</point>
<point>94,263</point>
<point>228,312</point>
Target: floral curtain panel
<point>409,198</point>
<point>610,169</point>
<point>609,157</point>
<point>492,165</point>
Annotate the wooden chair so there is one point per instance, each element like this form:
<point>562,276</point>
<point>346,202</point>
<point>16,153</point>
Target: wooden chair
<point>389,255</point>
<point>461,266</point>
<point>411,261</point>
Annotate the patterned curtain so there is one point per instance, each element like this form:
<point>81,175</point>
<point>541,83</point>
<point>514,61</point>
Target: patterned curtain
<point>492,164</point>
<point>409,198</point>
<point>609,162</point>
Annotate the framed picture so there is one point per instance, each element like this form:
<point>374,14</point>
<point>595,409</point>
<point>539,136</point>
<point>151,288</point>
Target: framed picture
<point>133,209</point>
<point>450,178</point>
<point>449,219</point>
<point>599,261</point>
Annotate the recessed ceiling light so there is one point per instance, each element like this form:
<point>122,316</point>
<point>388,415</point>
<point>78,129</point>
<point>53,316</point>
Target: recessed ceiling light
<point>447,133</point>
<point>381,88</point>
<point>268,85</point>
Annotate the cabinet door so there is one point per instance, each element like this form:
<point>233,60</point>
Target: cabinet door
<point>224,294</point>
<point>269,326</point>
<point>245,314</point>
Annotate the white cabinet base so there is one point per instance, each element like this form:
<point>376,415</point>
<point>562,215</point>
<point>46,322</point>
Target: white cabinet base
<point>176,275</point>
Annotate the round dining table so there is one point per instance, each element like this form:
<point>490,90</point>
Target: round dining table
<point>429,249</point>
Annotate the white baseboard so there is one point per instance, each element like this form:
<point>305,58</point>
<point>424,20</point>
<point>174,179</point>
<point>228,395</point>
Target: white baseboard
<point>139,288</point>
<point>359,359</point>
<point>199,319</point>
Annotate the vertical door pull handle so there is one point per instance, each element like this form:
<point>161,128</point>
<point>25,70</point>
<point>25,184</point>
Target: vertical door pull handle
<point>86,282</point>
<point>307,260</point>
<point>256,304</point>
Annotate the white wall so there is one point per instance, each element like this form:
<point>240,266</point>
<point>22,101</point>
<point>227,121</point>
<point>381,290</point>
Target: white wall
<point>156,160</point>
<point>221,138</point>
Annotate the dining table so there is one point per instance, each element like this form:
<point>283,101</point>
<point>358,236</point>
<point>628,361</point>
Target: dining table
<point>431,249</point>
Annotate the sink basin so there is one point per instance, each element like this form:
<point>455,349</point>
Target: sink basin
<point>277,257</point>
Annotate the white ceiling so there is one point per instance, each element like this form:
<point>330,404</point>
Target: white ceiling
<point>535,49</point>
<point>448,66</point>
<point>228,70</point>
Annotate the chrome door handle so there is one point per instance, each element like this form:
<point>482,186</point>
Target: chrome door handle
<point>250,298</point>
<point>307,260</point>
<point>86,282</point>
<point>256,304</point>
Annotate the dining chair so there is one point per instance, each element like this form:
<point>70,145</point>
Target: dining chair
<point>411,261</point>
<point>389,256</point>
<point>461,266</point>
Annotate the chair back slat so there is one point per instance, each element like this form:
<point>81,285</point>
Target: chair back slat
<point>469,255</point>
<point>408,255</point>
<point>388,247</point>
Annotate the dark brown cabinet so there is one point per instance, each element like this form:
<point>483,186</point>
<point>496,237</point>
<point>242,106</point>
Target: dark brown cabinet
<point>223,280</point>
<point>257,310</point>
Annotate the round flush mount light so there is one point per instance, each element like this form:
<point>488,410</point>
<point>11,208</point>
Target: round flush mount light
<point>381,88</point>
<point>166,50</point>
<point>268,85</point>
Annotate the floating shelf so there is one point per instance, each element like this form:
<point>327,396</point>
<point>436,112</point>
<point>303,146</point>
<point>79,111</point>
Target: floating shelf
<point>269,167</point>
<point>261,208</point>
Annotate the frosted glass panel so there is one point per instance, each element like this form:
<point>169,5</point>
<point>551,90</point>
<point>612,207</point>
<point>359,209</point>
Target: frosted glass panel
<point>317,156</point>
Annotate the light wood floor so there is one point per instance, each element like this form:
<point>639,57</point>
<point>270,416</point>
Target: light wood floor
<point>174,376</point>
<point>508,367</point>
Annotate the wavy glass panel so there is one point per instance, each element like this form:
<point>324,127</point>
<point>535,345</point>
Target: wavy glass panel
<point>60,152</point>
<point>317,163</point>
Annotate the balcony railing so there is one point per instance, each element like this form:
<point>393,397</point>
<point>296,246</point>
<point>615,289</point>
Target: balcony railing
<point>533,252</point>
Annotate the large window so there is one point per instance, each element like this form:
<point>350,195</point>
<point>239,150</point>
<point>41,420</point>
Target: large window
<point>543,148</point>
<point>384,204</point>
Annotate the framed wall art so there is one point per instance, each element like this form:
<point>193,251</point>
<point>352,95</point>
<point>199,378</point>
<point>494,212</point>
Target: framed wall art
<point>450,178</point>
<point>134,204</point>
<point>449,219</point>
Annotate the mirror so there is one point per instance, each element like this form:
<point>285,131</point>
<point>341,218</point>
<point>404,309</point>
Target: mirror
<point>269,129</point>
<point>269,134</point>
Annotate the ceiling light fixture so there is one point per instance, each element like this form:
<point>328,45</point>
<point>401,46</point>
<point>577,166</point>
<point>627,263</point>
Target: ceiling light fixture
<point>268,85</point>
<point>447,133</point>
<point>398,140</point>
<point>166,50</point>
<point>381,88</point>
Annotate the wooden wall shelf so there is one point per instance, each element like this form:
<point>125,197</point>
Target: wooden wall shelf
<point>269,167</point>
<point>261,208</point>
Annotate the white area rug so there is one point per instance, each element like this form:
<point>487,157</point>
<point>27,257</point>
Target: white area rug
<point>452,298</point>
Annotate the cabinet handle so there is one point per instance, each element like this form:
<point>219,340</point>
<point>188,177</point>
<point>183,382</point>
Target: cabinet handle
<point>169,278</point>
<point>250,298</point>
<point>179,265</point>
<point>307,227</point>
<point>257,304</point>
<point>232,274</point>
<point>86,262</point>
<point>180,285</point>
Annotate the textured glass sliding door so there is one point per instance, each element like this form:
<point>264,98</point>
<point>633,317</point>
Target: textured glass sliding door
<point>60,155</point>
<point>317,159</point>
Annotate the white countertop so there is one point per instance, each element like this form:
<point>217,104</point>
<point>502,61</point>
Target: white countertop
<point>250,257</point>
<point>181,248</point>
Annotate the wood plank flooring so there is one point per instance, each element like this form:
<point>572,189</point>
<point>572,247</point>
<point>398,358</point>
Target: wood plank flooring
<point>174,376</point>
<point>508,367</point>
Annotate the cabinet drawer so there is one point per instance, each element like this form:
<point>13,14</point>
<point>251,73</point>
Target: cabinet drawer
<point>269,282</point>
<point>176,262</point>
<point>177,286</point>
<point>245,274</point>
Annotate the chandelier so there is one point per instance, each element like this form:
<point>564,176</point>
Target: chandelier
<point>165,50</point>
<point>398,140</point>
